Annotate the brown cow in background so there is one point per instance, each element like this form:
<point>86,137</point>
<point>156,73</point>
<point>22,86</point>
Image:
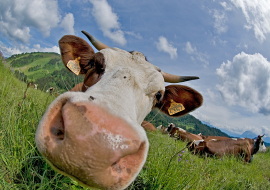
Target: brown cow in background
<point>242,147</point>
<point>182,134</point>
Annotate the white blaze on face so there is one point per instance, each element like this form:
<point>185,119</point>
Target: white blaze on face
<point>262,147</point>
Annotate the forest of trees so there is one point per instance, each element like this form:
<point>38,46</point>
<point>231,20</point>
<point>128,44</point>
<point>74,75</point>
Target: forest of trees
<point>25,60</point>
<point>35,68</point>
<point>21,76</point>
<point>63,80</point>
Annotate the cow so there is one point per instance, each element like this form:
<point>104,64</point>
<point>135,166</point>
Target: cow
<point>93,134</point>
<point>162,129</point>
<point>50,90</point>
<point>148,126</point>
<point>53,92</point>
<point>243,147</point>
<point>205,137</point>
<point>182,134</point>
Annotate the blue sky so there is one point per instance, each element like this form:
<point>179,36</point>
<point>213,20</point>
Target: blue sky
<point>225,43</point>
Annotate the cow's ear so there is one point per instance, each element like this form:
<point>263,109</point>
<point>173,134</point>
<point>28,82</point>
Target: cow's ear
<point>179,100</point>
<point>76,53</point>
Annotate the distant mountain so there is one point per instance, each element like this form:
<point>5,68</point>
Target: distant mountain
<point>231,134</point>
<point>266,139</point>
<point>248,134</point>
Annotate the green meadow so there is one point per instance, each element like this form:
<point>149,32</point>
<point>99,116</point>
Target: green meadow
<point>168,166</point>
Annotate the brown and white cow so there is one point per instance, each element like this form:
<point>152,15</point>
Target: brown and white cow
<point>243,147</point>
<point>205,137</point>
<point>94,134</point>
<point>182,134</point>
<point>162,129</point>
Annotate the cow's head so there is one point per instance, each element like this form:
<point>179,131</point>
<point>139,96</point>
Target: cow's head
<point>95,136</point>
<point>259,145</point>
<point>170,127</point>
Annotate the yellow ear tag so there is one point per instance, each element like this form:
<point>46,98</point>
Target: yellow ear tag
<point>74,65</point>
<point>175,107</point>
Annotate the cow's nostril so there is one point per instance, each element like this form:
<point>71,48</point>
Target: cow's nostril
<point>58,133</point>
<point>57,128</point>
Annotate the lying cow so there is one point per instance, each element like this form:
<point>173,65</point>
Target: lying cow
<point>205,137</point>
<point>93,134</point>
<point>162,129</point>
<point>243,147</point>
<point>182,134</point>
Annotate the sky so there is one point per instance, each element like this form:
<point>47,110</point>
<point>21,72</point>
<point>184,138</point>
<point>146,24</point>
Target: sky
<point>226,43</point>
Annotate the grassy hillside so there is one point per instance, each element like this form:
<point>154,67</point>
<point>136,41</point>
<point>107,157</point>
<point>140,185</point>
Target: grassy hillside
<point>22,167</point>
<point>44,69</point>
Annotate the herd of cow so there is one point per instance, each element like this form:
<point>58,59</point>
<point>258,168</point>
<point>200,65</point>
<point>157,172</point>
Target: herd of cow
<point>95,132</point>
<point>216,145</point>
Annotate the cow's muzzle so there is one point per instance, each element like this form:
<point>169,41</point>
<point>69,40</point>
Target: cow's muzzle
<point>91,145</point>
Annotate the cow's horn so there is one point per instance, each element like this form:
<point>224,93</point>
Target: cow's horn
<point>175,78</point>
<point>98,45</point>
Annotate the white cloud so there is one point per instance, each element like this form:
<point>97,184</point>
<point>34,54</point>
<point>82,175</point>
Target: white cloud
<point>257,13</point>
<point>163,45</point>
<point>18,16</point>
<point>8,51</point>
<point>68,23</point>
<point>198,55</point>
<point>138,36</point>
<point>227,118</point>
<point>189,48</point>
<point>108,21</point>
<point>246,82</point>
<point>220,20</point>
<point>226,6</point>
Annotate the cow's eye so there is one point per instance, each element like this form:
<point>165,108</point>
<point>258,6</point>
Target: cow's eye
<point>158,96</point>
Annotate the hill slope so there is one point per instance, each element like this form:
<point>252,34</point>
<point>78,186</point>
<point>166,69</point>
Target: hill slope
<point>44,69</point>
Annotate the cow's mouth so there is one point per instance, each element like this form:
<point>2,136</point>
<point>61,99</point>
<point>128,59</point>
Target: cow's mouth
<point>94,147</point>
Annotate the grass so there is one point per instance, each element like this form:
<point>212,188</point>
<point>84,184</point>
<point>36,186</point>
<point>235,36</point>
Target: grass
<point>22,167</point>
